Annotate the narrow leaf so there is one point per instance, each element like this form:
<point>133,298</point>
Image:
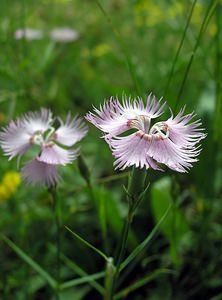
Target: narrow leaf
<point>146,242</point>
<point>88,244</point>
<point>85,279</point>
<point>141,282</point>
<point>51,281</point>
<point>209,13</point>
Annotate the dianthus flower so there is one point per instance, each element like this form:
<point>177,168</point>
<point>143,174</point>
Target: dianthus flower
<point>172,142</point>
<point>36,129</point>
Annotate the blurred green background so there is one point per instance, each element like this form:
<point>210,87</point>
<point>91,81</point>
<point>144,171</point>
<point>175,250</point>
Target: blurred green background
<point>130,50</point>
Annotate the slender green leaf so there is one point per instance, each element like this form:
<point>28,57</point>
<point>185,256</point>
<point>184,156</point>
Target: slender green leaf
<point>207,17</point>
<point>85,279</point>
<point>175,225</point>
<point>88,244</point>
<point>141,282</point>
<point>180,47</point>
<point>75,293</point>
<point>78,270</point>
<point>51,281</point>
<point>113,213</point>
<point>146,242</point>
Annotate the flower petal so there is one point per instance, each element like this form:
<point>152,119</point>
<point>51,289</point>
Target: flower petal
<point>113,117</point>
<point>38,121</point>
<point>183,133</point>
<point>37,172</point>
<point>55,155</point>
<point>70,132</point>
<point>132,150</point>
<point>14,139</point>
<point>175,157</point>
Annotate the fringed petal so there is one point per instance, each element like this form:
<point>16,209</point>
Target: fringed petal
<point>38,121</point>
<point>114,118</point>
<point>55,155</point>
<point>37,172</point>
<point>14,139</point>
<point>132,151</point>
<point>176,158</point>
<point>70,132</point>
<point>183,132</point>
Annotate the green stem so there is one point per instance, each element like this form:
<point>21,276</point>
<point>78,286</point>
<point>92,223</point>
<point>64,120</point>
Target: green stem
<point>57,210</point>
<point>109,279</point>
<point>135,191</point>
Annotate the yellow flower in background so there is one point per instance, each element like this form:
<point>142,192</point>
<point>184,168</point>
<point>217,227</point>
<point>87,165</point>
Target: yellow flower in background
<point>148,13</point>
<point>4,195</point>
<point>176,9</point>
<point>101,50</point>
<point>9,184</point>
<point>2,117</point>
<point>198,15</point>
<point>212,29</point>
<point>151,13</point>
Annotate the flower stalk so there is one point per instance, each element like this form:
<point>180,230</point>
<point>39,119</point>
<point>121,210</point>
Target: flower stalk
<point>58,223</point>
<point>135,193</point>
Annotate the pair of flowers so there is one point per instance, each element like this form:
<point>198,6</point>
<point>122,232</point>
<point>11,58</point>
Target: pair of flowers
<point>173,142</point>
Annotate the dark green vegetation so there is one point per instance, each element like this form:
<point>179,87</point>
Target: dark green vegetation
<point>124,46</point>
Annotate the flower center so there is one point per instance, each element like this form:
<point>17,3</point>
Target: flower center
<point>140,122</point>
<point>158,131</point>
<point>160,128</point>
<point>43,138</point>
<point>37,139</point>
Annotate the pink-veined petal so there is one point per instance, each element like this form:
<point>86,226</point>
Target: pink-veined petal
<point>131,150</point>
<point>183,132</point>
<point>55,155</point>
<point>70,132</point>
<point>113,118</point>
<point>37,172</point>
<point>175,157</point>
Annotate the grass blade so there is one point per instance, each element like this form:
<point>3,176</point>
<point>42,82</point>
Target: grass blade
<point>207,17</point>
<point>51,281</point>
<point>88,244</point>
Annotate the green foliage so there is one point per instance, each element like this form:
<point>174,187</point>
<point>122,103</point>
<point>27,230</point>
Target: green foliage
<point>171,48</point>
<point>174,227</point>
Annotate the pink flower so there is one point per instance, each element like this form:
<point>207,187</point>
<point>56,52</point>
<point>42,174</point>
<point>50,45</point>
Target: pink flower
<point>37,129</point>
<point>172,142</point>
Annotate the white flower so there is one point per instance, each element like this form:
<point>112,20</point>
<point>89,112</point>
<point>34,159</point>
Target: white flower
<point>172,142</point>
<point>36,128</point>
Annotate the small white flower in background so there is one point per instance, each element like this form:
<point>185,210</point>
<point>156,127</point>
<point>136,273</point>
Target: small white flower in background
<point>172,142</point>
<point>37,129</point>
<point>64,35</point>
<point>29,34</point>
